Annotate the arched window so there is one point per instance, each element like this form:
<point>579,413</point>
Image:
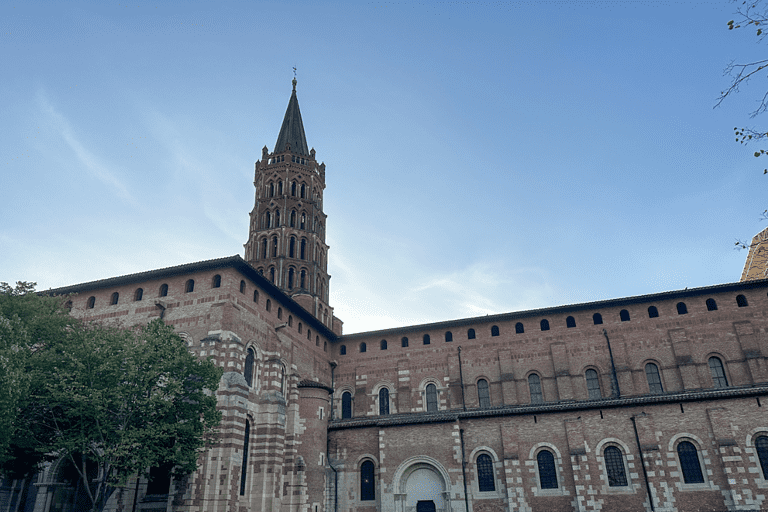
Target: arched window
<point>593,384</point>
<point>293,188</point>
<point>404,342</point>
<point>309,334</point>
<point>682,309</point>
<point>518,329</point>
<point>426,339</point>
<point>448,336</point>
<point>138,294</point>
<point>545,325</point>
<point>190,286</point>
<point>271,189</point>
<point>244,469</point>
<point>248,371</point>
<point>718,372</point>
<point>741,301</point>
<point>264,248</point>
<point>242,286</point>
<point>291,273</point>
<point>343,350</point>
<point>303,249</point>
<point>654,379</point>
<point>277,218</point>
<point>367,487</point>
<point>346,405</point>
<point>363,347</point>
<point>269,305</point>
<point>471,334</point>
<point>292,247</point>
<point>301,328</point>
<point>115,298</point>
<point>547,472</point>
<point>292,219</point>
<point>303,221</point>
<point>268,220</point>
<point>383,344</point>
<point>431,393</point>
<point>325,346</point>
<point>597,319</point>
<point>689,463</point>
<point>163,290</point>
<point>761,445</point>
<point>317,341</point>
<point>91,302</point>
<point>485,480</point>
<point>534,386</point>
<point>216,282</point>
<point>614,466</point>
<point>272,274</point>
<point>483,393</point>
<point>624,315</point>
<point>570,322</point>
<point>303,279</point>
<point>256,296</point>
<point>279,313</point>
<point>290,320</point>
<point>303,190</point>
<point>274,247</point>
<point>383,401</point>
<point>653,312</point>
<point>711,305</point>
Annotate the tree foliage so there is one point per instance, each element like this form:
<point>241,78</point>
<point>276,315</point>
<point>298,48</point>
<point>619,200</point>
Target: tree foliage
<point>111,402</point>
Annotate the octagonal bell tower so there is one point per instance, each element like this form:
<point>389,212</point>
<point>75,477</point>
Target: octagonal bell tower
<point>286,242</point>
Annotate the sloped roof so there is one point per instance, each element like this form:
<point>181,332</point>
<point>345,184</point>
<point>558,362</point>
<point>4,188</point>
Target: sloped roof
<point>292,131</point>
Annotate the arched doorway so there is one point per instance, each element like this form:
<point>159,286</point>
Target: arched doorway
<point>420,486</point>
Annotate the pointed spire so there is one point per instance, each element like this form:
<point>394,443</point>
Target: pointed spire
<point>292,131</point>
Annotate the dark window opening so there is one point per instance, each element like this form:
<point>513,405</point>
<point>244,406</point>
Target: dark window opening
<point>614,466</point>
<point>653,312</point>
<point>244,469</point>
<point>545,325</point>
<point>256,296</point>
<point>164,290</point>
<point>216,281</point>
<point>485,479</point>
<point>367,487</point>
<point>346,405</point>
<point>431,393</point>
<point>761,444</point>
<point>741,301</point>
<point>718,372</point>
<point>138,294</point>
<point>682,309</point>
<point>189,286</point>
<point>448,336</point>
<point>383,401</point>
<point>248,371</point>
<point>483,393</point>
<point>519,329</point>
<point>383,344</point>
<point>689,463</point>
<point>593,384</point>
<point>597,319</point>
<point>404,342</point>
<point>115,298</point>
<point>654,379</point>
<point>570,322</point>
<point>426,339</point>
<point>547,472</point>
<point>534,386</point>
<point>343,350</point>
<point>711,305</point>
<point>269,305</point>
<point>624,315</point>
<point>471,334</point>
<point>363,347</point>
<point>91,303</point>
<point>242,286</point>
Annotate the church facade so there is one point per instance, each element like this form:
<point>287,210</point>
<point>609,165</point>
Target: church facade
<point>656,402</point>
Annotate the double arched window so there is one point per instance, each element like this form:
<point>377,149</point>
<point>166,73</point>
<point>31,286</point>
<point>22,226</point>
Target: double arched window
<point>485,479</point>
<point>547,471</point>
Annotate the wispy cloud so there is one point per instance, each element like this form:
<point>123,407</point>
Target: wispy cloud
<point>95,165</point>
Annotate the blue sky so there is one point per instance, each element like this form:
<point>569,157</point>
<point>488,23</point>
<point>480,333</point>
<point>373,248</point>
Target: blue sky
<point>482,157</point>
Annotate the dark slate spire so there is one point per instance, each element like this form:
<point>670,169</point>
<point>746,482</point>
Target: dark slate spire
<point>292,131</point>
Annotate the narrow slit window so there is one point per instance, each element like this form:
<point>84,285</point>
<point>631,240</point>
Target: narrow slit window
<point>534,387</point>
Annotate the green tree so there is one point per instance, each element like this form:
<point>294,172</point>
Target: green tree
<point>111,402</point>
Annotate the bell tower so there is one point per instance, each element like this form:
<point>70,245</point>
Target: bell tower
<point>286,242</point>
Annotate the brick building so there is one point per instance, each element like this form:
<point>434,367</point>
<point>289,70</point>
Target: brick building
<point>656,402</point>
